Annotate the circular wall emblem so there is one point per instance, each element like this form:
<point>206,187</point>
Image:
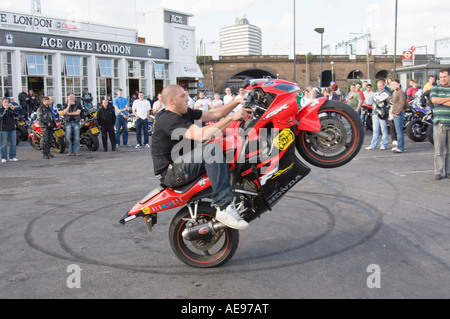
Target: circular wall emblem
<point>9,38</point>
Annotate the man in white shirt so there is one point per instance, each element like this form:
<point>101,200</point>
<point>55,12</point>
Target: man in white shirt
<point>242,95</point>
<point>158,106</point>
<point>141,110</point>
<point>228,97</point>
<point>191,102</point>
<point>202,104</point>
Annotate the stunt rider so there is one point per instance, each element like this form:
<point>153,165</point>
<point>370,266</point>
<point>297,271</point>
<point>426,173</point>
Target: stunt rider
<point>175,166</point>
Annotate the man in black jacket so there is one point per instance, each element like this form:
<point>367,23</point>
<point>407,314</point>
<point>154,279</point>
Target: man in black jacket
<point>47,122</point>
<point>8,131</point>
<point>106,118</point>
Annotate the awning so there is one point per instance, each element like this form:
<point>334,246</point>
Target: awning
<point>189,70</point>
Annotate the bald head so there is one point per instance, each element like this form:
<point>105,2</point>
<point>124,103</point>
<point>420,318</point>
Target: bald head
<point>170,92</point>
<point>175,99</point>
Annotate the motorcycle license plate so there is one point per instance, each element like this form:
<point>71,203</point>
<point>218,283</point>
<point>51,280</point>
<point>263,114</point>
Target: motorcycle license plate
<point>94,130</point>
<point>59,133</point>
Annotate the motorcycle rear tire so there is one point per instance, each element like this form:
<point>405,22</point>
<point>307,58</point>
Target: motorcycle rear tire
<point>207,252</point>
<point>335,117</point>
<point>92,142</point>
<point>59,144</point>
<point>416,131</point>
<point>22,133</point>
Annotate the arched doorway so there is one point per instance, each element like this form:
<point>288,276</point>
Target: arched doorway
<point>355,75</point>
<point>382,75</point>
<point>235,82</point>
<point>327,78</point>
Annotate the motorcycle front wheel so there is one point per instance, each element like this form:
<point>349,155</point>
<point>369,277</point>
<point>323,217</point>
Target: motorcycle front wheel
<point>35,143</point>
<point>208,252</point>
<point>345,134</point>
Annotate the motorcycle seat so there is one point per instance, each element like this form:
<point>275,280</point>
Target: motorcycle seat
<point>153,193</point>
<point>184,189</point>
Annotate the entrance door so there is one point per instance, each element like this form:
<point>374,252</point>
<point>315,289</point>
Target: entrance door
<point>159,86</point>
<point>133,85</point>
<point>36,84</point>
<point>104,89</point>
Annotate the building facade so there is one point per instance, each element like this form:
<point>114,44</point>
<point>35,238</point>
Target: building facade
<point>241,39</point>
<point>55,57</point>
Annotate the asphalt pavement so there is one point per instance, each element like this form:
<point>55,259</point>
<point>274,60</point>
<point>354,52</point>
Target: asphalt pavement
<point>375,228</point>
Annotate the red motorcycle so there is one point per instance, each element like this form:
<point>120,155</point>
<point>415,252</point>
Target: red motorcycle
<point>58,141</point>
<point>263,165</point>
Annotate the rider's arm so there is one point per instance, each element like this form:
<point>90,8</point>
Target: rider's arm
<point>220,112</point>
<point>205,133</point>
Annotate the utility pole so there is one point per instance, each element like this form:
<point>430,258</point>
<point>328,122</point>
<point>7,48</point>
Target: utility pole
<point>295,54</point>
<point>395,40</point>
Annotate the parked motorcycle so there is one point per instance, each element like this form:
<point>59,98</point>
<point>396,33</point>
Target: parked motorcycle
<point>131,123</point>
<point>21,128</point>
<point>327,134</point>
<point>36,141</point>
<point>417,128</point>
<point>89,131</point>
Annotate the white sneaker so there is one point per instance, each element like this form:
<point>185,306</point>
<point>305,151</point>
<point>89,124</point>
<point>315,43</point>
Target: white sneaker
<point>138,146</point>
<point>231,218</point>
<point>369,148</point>
<point>382,148</point>
<point>396,150</point>
<point>395,143</point>
<point>3,160</point>
<point>14,160</point>
<point>147,146</point>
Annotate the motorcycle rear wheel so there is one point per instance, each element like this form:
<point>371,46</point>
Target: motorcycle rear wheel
<point>59,143</point>
<point>416,130</point>
<point>346,132</point>
<point>209,252</point>
<point>92,142</point>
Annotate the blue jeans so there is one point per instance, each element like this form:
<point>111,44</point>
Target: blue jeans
<point>142,124</point>
<point>121,123</point>
<point>11,137</point>
<point>398,122</point>
<point>73,128</point>
<point>209,159</point>
<point>377,125</point>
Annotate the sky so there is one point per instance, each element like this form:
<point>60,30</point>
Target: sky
<point>420,23</point>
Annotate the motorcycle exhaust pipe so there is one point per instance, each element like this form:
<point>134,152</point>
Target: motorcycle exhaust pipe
<point>202,231</point>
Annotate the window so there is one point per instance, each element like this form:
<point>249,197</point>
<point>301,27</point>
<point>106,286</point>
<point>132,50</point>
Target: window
<point>161,71</point>
<point>5,74</point>
<point>35,64</point>
<point>105,67</point>
<point>73,66</point>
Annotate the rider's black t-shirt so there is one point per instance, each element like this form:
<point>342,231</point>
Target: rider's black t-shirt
<point>169,131</point>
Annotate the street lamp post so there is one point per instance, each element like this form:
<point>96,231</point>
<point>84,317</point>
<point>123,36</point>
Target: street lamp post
<point>204,53</point>
<point>320,31</point>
